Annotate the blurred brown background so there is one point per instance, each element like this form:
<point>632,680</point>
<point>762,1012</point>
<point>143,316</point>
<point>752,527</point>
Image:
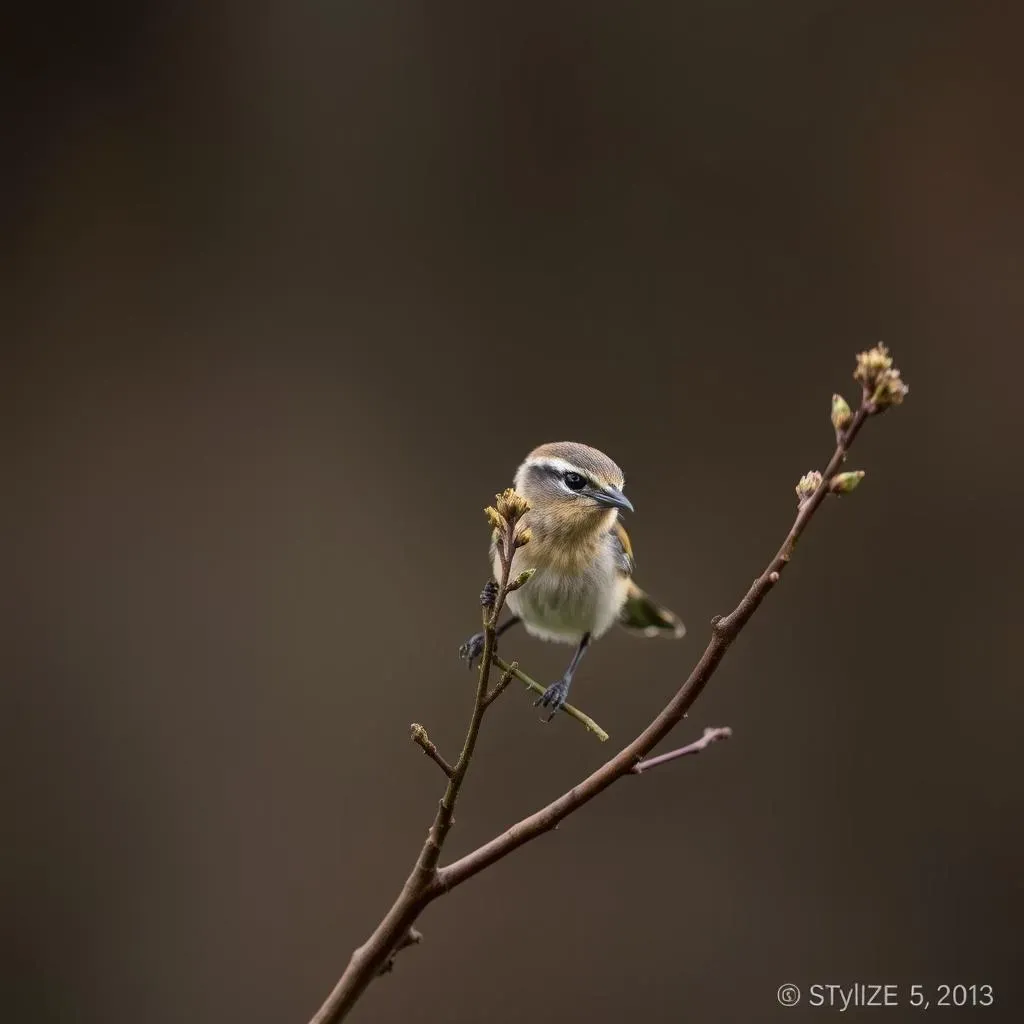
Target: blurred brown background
<point>289,291</point>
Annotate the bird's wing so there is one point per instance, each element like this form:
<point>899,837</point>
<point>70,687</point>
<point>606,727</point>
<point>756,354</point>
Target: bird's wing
<point>645,617</point>
<point>639,614</point>
<point>623,549</point>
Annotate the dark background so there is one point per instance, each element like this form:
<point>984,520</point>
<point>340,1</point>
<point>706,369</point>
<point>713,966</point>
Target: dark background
<point>289,291</point>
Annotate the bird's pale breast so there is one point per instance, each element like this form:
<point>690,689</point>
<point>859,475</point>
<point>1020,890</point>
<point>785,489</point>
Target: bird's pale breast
<point>561,604</point>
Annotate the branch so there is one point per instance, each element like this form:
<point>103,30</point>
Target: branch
<point>585,720</point>
<point>724,630</point>
<point>507,674</point>
<point>419,736</point>
<point>710,736</point>
<point>881,388</point>
<point>377,954</point>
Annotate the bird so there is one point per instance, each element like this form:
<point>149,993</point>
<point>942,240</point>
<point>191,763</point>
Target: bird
<point>582,557</point>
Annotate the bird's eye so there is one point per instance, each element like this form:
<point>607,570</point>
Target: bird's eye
<point>575,481</point>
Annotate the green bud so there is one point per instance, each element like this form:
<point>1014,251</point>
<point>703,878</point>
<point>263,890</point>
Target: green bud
<point>843,483</point>
<point>841,415</point>
<point>523,577</point>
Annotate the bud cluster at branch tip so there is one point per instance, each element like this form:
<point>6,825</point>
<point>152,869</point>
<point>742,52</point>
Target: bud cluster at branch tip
<point>504,515</point>
<point>808,484</point>
<point>882,383</point>
<point>511,506</point>
<point>507,510</point>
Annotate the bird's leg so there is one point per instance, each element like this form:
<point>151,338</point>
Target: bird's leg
<point>555,695</point>
<point>474,646</point>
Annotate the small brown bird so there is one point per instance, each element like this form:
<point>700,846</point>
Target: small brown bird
<point>582,556</point>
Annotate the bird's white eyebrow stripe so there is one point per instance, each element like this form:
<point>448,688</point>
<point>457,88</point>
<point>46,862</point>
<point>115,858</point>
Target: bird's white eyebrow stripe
<point>557,465</point>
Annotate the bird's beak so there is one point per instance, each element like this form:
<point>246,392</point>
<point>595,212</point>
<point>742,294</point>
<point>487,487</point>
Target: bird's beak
<point>612,497</point>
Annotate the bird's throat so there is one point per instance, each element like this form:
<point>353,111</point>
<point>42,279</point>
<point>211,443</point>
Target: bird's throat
<point>567,543</point>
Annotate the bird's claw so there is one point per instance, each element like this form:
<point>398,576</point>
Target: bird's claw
<point>554,697</point>
<point>472,649</point>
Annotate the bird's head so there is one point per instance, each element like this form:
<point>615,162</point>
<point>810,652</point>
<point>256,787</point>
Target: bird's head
<point>571,486</point>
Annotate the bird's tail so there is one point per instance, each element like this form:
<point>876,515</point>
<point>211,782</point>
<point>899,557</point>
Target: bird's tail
<point>645,617</point>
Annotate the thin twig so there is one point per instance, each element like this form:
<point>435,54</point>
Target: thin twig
<point>431,852</point>
<point>507,675</point>
<point>419,736</point>
<point>420,887</point>
<point>585,720</point>
<point>711,735</point>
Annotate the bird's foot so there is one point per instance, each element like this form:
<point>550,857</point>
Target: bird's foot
<point>554,697</point>
<point>473,648</point>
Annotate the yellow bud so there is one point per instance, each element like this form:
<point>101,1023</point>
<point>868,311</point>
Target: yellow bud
<point>494,518</point>
<point>511,506</point>
<point>843,483</point>
<point>841,415</point>
<point>882,384</point>
<point>871,363</point>
<point>808,484</point>
<point>523,537</point>
<point>889,390</point>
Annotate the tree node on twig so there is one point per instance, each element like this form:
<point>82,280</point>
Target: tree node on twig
<point>411,938</point>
